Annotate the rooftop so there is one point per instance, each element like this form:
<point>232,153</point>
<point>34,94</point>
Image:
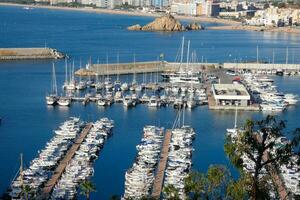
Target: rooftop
<point>230,91</point>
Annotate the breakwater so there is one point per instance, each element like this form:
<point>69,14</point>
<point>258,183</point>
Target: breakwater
<point>29,53</point>
<point>164,66</point>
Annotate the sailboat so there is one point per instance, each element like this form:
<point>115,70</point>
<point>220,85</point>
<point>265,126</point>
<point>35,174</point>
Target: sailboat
<point>233,131</point>
<point>52,98</point>
<point>134,82</point>
<point>117,83</point>
<point>16,188</point>
<point>107,81</point>
<point>82,84</point>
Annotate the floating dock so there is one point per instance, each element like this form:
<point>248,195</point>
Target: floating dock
<point>49,185</point>
<point>29,53</point>
<point>158,182</point>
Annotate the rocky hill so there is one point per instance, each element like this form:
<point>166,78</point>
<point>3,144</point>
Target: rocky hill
<point>165,23</point>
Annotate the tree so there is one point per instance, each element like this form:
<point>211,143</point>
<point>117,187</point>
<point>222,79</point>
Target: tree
<point>239,189</point>
<point>86,188</point>
<point>26,190</point>
<point>259,142</point>
<point>171,193</point>
<point>210,185</point>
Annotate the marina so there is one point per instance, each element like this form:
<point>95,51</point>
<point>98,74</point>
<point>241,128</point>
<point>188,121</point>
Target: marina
<point>57,159</point>
<point>27,121</point>
<point>282,176</point>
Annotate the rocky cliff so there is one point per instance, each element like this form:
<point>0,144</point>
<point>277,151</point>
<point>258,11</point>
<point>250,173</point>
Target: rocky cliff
<point>165,23</point>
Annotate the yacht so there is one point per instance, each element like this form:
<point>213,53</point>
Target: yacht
<point>64,101</point>
<point>154,101</point>
<point>52,98</point>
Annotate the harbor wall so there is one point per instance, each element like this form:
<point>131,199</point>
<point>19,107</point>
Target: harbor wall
<point>164,66</point>
<point>262,66</point>
<point>29,53</point>
<point>141,67</point>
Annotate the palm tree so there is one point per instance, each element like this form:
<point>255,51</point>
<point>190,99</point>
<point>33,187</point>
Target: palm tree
<point>171,193</point>
<point>86,188</point>
<point>26,191</point>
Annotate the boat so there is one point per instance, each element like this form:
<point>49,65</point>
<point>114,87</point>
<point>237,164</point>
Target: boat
<point>64,101</point>
<point>52,98</point>
<point>124,86</point>
<point>154,101</point>
<point>127,101</point>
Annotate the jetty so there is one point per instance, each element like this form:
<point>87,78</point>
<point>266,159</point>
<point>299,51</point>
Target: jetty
<point>29,53</point>
<point>158,182</point>
<point>165,66</point>
<point>49,185</point>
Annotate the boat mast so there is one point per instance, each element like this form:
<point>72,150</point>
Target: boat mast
<point>235,118</point>
<point>187,55</point>
<point>287,55</point>
<point>21,171</point>
<point>54,85</point>
<point>66,70</point>
<point>134,78</point>
<point>118,75</point>
<point>257,54</point>
<point>183,115</point>
<point>181,57</point>
<point>107,66</point>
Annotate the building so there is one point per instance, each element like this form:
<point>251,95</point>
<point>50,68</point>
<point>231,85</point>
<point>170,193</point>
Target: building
<point>184,8</point>
<point>230,94</point>
<point>212,8</point>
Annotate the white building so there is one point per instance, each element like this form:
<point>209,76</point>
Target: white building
<point>184,8</point>
<point>230,94</point>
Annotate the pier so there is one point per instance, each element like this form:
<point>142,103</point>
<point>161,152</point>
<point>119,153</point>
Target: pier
<point>49,185</point>
<point>158,182</point>
<point>165,66</point>
<point>29,53</point>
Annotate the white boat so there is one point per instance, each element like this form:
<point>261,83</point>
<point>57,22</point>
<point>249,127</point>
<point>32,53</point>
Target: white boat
<point>64,101</point>
<point>127,101</point>
<point>154,101</point>
<point>191,103</point>
<point>124,87</point>
<point>52,98</point>
<point>101,102</point>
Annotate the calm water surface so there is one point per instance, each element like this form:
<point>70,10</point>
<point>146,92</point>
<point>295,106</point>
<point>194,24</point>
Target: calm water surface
<point>28,123</point>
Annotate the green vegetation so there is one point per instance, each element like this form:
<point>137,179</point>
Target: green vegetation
<point>217,183</point>
<point>257,147</point>
<point>86,188</point>
<point>27,2</point>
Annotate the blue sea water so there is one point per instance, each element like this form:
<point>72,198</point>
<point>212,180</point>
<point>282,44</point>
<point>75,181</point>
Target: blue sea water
<point>28,123</point>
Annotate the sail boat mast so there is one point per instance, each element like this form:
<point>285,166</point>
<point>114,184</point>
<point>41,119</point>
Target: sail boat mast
<point>21,171</point>
<point>235,118</point>
<point>182,46</point>
<point>54,84</point>
<point>188,55</point>
<point>118,75</point>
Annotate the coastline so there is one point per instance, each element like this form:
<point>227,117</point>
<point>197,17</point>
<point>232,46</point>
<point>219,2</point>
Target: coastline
<point>228,24</point>
<point>124,12</point>
<point>257,28</point>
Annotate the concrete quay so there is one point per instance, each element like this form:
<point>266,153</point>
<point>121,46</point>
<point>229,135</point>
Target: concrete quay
<point>164,66</point>
<point>29,53</point>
